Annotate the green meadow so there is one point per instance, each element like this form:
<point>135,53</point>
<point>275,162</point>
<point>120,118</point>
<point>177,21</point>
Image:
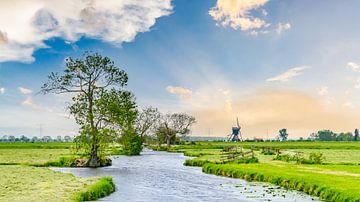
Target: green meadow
<point>24,175</point>
<point>335,178</point>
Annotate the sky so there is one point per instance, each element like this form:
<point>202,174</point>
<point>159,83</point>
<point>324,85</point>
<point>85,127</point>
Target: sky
<point>272,63</point>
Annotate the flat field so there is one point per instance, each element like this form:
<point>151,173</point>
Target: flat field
<point>22,180</point>
<point>336,178</point>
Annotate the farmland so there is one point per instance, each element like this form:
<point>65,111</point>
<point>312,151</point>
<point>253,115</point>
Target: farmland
<point>335,178</point>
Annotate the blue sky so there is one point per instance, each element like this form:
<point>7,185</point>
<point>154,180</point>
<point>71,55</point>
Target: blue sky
<point>272,63</point>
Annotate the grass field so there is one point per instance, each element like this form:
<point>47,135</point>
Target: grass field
<point>336,179</point>
<point>27,183</point>
<point>36,145</point>
<point>22,180</point>
<point>31,156</point>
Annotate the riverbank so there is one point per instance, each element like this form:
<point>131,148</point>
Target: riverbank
<point>25,176</point>
<point>336,179</point>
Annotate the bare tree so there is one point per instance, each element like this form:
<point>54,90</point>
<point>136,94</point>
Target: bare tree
<point>176,124</point>
<point>147,120</point>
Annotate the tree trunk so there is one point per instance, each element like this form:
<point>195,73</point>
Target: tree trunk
<point>94,160</point>
<point>168,141</point>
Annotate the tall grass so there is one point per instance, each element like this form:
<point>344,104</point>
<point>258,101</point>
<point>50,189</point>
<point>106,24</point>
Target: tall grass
<point>104,187</point>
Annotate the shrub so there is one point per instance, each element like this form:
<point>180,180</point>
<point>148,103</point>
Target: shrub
<point>132,143</point>
<point>316,158</point>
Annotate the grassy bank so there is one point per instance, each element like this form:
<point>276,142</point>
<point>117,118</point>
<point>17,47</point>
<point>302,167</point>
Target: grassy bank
<point>329,186</point>
<point>103,187</point>
<point>27,183</point>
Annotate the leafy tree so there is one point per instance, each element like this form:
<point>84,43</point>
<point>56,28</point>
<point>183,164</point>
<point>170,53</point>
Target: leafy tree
<point>356,136</point>
<point>326,135</point>
<point>174,124</point>
<point>89,79</point>
<point>283,135</point>
<point>344,137</point>
<point>119,108</point>
<point>161,136</point>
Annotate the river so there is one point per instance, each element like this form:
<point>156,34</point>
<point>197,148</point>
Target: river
<point>161,176</point>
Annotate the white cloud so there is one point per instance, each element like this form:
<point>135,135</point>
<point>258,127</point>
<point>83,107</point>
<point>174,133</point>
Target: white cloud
<point>183,93</point>
<point>28,102</point>
<point>357,84</point>
<point>33,22</point>
<point>237,14</point>
<point>2,90</point>
<point>282,27</point>
<point>353,66</point>
<point>323,90</point>
<point>25,91</point>
<point>349,104</point>
<point>286,76</point>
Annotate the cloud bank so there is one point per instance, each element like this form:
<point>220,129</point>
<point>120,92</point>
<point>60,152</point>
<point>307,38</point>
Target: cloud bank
<point>26,25</point>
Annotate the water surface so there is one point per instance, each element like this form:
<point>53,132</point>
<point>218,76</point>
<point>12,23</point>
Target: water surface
<point>161,176</point>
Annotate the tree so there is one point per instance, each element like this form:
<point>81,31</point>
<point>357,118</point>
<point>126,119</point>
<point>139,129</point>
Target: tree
<point>326,135</point>
<point>120,109</point>
<point>356,135</point>
<point>89,78</point>
<point>174,124</point>
<point>344,137</point>
<point>283,134</point>
<point>147,120</point>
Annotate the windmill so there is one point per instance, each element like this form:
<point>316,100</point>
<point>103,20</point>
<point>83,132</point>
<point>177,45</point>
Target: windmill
<point>236,133</point>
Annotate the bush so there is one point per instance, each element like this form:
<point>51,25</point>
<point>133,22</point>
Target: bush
<point>132,143</point>
<point>316,158</point>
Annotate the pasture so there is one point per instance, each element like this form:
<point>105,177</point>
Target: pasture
<point>336,177</point>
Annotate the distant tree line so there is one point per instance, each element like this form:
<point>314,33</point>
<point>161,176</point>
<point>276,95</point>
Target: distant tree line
<point>328,135</point>
<point>23,138</point>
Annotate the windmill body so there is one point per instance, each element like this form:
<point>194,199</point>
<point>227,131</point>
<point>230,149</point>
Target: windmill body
<point>236,133</point>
